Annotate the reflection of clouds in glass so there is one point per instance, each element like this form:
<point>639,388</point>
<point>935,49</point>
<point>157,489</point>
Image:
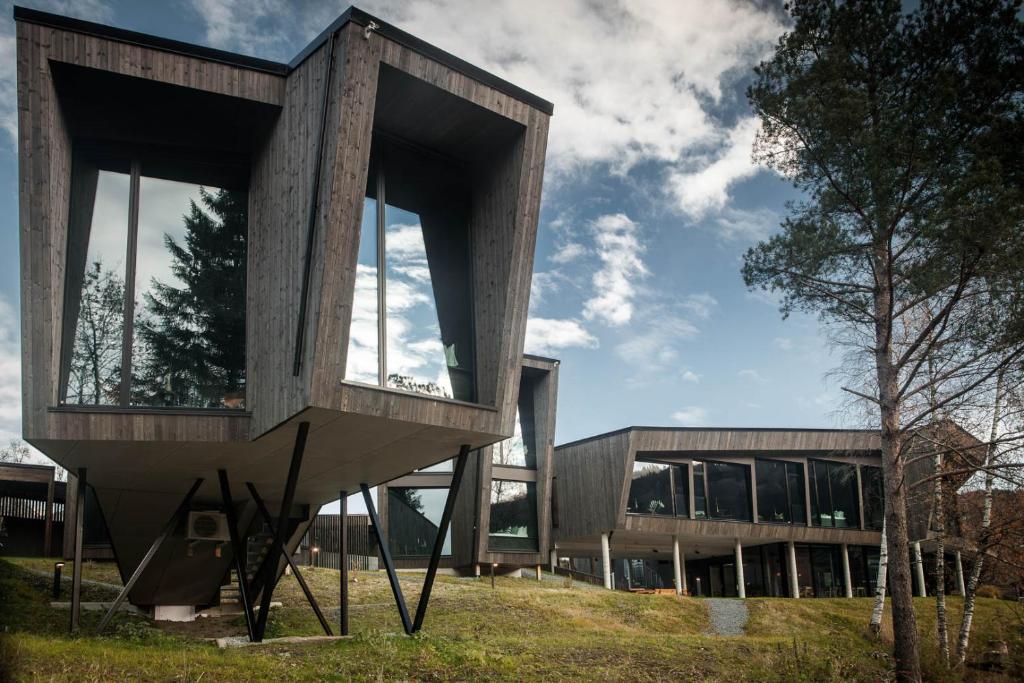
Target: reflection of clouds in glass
<point>511,451</point>
<point>362,348</point>
<point>108,237</point>
<point>414,341</point>
<point>163,205</point>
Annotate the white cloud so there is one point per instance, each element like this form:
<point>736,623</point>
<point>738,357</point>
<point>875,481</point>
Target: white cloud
<point>569,251</point>
<point>785,343</point>
<point>691,416</point>
<point>10,380</point>
<point>548,335</point>
<point>700,305</point>
<point>748,226</point>
<point>706,188</point>
<point>654,347</point>
<point>690,376</point>
<point>615,283</point>
<point>632,82</point>
<point>751,375</point>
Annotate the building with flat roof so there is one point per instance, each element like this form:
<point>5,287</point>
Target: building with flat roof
<point>732,512</point>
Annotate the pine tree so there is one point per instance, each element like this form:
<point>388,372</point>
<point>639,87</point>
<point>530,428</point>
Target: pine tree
<point>193,337</point>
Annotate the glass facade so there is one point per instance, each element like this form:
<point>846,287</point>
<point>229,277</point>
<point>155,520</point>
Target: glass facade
<point>513,524</point>
<point>726,490</point>
<point>650,491</point>
<point>780,492</point>
<point>414,517</point>
<point>414,259</point>
<point>833,494</point>
<point>157,300</point>
<point>521,449</point>
<point>872,494</point>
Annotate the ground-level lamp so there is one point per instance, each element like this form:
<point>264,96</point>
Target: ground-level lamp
<point>57,567</point>
<point>493,565</point>
<point>316,555</point>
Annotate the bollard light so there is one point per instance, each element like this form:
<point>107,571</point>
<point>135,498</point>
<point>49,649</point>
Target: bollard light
<point>493,565</point>
<point>57,567</point>
<point>316,555</point>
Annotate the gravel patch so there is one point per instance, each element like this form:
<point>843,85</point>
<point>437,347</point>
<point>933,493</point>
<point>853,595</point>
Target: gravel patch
<point>728,616</point>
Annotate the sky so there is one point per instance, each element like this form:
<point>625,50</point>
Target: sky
<point>650,195</point>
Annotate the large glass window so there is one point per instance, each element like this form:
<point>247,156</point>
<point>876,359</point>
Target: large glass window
<point>414,517</point>
<point>521,449</point>
<point>833,494</point>
<point>780,492</point>
<point>513,516</point>
<point>873,496</point>
<point>650,491</point>
<point>726,490</point>
<point>156,306</point>
<point>414,263</point>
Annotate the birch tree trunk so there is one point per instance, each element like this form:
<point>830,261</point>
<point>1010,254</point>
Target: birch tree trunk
<point>986,522</point>
<point>883,566</point>
<point>940,564</point>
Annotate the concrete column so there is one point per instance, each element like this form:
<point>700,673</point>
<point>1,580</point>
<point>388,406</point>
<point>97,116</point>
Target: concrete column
<point>554,559</point>
<point>682,572</point>
<point>919,570</point>
<point>794,582</point>
<point>846,572</point>
<point>741,588</point>
<point>960,575</point>
<point>606,561</point>
<point>677,565</point>
<point>476,570</point>
<point>538,573</point>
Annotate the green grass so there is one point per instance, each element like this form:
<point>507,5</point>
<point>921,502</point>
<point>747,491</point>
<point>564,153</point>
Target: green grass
<point>523,630</point>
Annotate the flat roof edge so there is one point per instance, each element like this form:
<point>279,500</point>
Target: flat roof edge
<point>641,428</point>
<point>147,40</point>
<point>352,14</point>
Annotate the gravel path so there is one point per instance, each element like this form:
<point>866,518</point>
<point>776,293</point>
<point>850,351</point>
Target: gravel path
<point>728,616</point>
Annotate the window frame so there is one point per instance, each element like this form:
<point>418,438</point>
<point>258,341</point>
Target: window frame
<point>789,492</point>
<point>673,469</point>
<point>536,512</point>
<point>707,489</point>
<point>114,158</point>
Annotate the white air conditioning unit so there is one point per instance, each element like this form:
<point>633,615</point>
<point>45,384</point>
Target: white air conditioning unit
<point>208,526</point>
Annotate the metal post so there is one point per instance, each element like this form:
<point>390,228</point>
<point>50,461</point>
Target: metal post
<point>76,570</point>
<point>168,529</point>
<point>57,567</point>
<point>48,532</point>
<point>846,571</point>
<point>343,563</point>
<point>554,559</point>
<point>385,554</point>
<point>794,580</point>
<point>238,553</point>
<point>676,569</point>
<point>606,561</point>
<point>271,561</point>
<point>539,574</point>
<point>741,584</point>
<point>442,532</point>
<point>493,565</point>
<point>918,561</point>
<point>960,575</point>
<point>265,514</point>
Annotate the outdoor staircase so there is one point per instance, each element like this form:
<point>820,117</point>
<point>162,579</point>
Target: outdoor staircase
<point>229,593</point>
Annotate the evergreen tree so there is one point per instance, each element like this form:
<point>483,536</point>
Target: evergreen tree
<point>193,337</point>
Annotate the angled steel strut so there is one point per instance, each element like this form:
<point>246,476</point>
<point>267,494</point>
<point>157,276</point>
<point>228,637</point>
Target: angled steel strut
<point>238,551</point>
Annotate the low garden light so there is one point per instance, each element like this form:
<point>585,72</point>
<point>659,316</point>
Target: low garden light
<point>57,567</point>
<point>493,565</point>
<point>316,555</point>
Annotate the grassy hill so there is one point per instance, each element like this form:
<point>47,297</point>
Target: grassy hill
<point>522,630</point>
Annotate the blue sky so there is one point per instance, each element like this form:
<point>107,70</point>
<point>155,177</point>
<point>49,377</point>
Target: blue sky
<point>650,200</point>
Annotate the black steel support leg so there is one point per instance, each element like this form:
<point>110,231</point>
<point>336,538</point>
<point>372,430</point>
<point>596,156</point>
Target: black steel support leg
<point>385,554</point>
<point>270,566</point>
<point>265,514</point>
<point>239,553</point>
<point>76,570</point>
<point>442,533</point>
<point>343,563</point>
<point>175,519</point>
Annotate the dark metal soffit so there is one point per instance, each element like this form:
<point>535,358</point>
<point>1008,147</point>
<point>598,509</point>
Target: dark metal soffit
<point>625,430</point>
<point>353,14</point>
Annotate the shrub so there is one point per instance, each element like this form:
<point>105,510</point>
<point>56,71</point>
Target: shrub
<point>988,591</point>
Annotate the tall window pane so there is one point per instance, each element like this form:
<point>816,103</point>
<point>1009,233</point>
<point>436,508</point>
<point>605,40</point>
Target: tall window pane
<point>700,501</point>
<point>414,518</point>
<point>834,494</point>
<point>772,498</point>
<point>521,449</point>
<point>797,494</point>
<point>94,374</point>
<point>362,358</point>
<point>682,486</point>
<point>189,345</point>
<point>650,491</point>
<point>513,523</point>
<point>728,490</point>
<point>872,495</point>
